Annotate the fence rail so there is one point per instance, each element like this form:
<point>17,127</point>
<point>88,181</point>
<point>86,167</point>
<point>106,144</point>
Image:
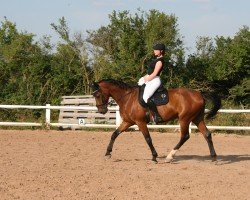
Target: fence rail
<point>48,122</point>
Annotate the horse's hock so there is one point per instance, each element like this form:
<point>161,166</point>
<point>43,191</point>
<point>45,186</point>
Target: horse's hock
<point>72,116</point>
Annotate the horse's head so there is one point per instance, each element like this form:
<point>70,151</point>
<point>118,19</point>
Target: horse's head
<point>101,98</point>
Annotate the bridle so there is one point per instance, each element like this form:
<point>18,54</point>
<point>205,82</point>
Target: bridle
<point>105,103</point>
<point>109,102</point>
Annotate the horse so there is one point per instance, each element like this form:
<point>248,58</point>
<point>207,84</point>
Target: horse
<point>185,104</point>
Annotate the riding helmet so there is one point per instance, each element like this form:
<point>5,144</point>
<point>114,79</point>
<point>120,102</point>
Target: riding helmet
<point>159,46</point>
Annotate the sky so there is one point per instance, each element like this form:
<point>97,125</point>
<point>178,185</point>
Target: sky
<point>195,17</point>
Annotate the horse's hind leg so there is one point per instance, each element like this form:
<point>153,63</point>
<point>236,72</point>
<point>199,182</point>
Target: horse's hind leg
<point>184,137</point>
<point>123,126</point>
<point>208,137</point>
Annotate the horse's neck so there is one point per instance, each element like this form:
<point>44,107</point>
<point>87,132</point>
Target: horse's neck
<point>121,95</point>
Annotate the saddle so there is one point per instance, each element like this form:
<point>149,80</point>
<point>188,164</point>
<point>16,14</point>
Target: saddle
<point>160,97</point>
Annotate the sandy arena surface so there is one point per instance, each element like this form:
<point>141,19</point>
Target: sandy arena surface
<point>71,165</point>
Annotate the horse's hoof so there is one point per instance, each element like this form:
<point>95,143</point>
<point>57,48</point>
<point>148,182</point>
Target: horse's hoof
<point>168,160</point>
<point>214,159</point>
<point>108,156</point>
<point>155,161</point>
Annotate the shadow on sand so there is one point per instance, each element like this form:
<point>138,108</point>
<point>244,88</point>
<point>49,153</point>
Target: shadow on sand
<point>221,159</point>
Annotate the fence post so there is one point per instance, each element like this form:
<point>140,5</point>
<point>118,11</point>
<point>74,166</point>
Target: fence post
<point>47,116</point>
<point>117,117</point>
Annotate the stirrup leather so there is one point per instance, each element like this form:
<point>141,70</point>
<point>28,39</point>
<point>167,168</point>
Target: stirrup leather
<point>156,117</point>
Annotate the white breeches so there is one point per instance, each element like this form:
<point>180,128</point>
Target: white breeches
<point>151,87</point>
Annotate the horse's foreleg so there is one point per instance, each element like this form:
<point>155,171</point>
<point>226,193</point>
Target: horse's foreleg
<point>144,129</point>
<point>123,126</point>
<point>111,143</point>
<point>184,137</point>
<point>151,146</point>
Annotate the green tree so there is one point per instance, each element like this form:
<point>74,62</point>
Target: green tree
<point>118,49</point>
<point>123,48</point>
<point>23,69</point>
<point>71,73</point>
<point>222,66</point>
<point>20,65</point>
<point>198,63</point>
<point>229,68</point>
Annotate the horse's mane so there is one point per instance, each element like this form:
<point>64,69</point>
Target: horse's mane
<point>118,83</point>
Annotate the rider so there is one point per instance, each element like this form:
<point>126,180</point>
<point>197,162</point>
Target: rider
<point>152,79</point>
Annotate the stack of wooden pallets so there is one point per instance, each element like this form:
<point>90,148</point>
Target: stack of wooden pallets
<point>71,116</point>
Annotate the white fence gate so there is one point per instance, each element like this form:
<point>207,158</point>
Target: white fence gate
<point>48,122</point>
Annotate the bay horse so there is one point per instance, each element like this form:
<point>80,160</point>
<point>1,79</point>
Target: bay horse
<point>185,104</point>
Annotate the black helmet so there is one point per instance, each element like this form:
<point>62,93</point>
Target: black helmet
<point>159,46</point>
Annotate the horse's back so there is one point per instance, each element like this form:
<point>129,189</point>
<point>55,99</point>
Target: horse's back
<point>185,92</point>
<point>186,100</point>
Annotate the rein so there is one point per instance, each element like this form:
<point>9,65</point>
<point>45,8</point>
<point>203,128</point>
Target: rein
<point>107,103</point>
<point>112,101</point>
<point>124,95</point>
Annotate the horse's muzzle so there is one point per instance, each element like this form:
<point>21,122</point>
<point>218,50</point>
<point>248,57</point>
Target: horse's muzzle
<point>103,110</point>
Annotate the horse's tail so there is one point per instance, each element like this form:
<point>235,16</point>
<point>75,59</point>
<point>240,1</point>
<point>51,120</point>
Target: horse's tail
<point>216,100</point>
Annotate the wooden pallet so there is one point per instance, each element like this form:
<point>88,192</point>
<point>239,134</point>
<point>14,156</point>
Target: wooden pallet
<point>90,117</point>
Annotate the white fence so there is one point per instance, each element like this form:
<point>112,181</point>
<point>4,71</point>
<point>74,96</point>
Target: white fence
<point>48,122</point>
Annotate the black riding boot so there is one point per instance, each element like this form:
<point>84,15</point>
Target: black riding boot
<point>156,117</point>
